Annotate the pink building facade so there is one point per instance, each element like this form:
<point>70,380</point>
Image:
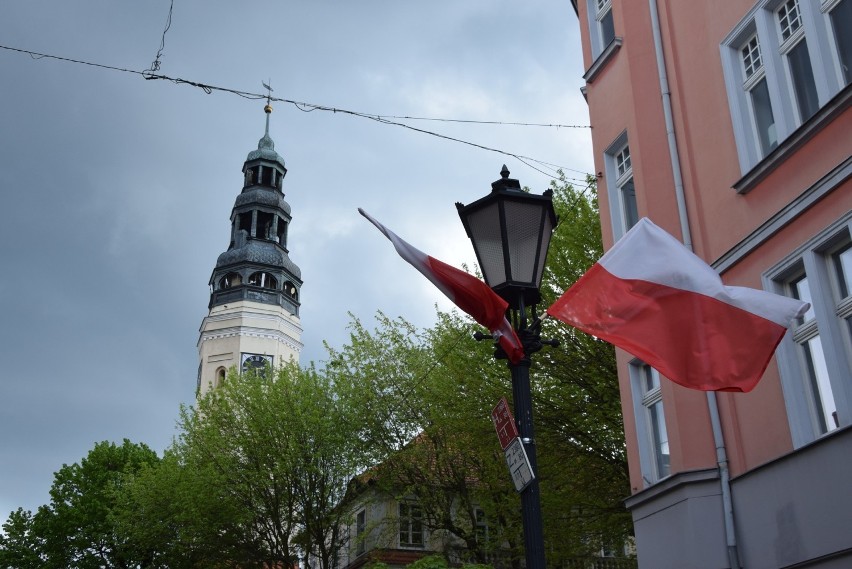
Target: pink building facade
<point>728,124</point>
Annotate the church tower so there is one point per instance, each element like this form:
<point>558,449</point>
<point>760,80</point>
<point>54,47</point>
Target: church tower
<point>253,314</point>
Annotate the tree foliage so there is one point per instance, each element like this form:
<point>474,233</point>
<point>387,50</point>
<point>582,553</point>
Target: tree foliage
<point>76,530</point>
<point>255,479</point>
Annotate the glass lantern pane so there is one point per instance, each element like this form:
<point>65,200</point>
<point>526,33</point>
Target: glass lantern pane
<point>545,244</point>
<point>523,229</point>
<point>484,227</point>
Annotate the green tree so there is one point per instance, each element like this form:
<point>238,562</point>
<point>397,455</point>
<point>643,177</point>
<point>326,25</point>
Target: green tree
<point>21,546</point>
<point>76,529</point>
<point>256,477</point>
<point>180,515</point>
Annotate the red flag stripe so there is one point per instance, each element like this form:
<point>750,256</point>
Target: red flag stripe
<point>466,291</point>
<point>654,298</point>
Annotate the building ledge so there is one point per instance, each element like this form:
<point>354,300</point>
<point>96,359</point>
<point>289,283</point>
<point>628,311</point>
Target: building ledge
<point>830,111</point>
<point>834,437</point>
<point>603,59</point>
<point>786,215</point>
<point>673,482</point>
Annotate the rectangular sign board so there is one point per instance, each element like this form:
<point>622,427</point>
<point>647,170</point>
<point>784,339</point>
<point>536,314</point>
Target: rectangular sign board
<point>504,423</point>
<point>519,464</point>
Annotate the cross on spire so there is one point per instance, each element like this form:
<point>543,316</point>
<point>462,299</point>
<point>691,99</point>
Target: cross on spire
<point>268,108</point>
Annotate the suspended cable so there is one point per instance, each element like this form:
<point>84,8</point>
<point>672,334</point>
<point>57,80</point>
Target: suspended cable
<point>308,107</point>
<point>469,121</point>
<point>155,65</point>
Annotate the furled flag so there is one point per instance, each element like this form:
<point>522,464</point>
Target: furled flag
<point>466,291</point>
<point>652,297</point>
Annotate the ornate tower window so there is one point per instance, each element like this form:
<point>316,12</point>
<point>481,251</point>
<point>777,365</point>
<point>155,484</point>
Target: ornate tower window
<point>263,280</point>
<point>230,280</point>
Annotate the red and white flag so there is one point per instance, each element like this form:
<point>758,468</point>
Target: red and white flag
<point>652,297</point>
<point>467,292</point>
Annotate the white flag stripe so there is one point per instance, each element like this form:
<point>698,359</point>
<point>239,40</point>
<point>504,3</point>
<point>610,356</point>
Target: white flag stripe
<point>665,261</point>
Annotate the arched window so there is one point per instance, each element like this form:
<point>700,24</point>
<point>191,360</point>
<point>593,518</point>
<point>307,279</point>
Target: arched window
<point>291,290</point>
<point>220,378</point>
<point>263,280</point>
<point>230,280</point>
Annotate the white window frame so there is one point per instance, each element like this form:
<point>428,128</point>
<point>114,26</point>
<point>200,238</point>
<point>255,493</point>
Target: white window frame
<point>618,174</point>
<point>407,519</point>
<point>832,319</point>
<point>361,532</point>
<point>762,20</point>
<point>643,400</point>
<point>597,10</point>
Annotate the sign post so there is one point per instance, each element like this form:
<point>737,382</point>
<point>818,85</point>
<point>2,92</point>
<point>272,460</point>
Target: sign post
<point>510,442</point>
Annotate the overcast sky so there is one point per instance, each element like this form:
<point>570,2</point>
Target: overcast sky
<point>117,191</point>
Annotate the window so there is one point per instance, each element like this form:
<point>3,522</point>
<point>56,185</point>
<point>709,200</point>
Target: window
<point>840,16</point>
<point>814,358</point>
<point>806,335</point>
<point>230,280</point>
<point>758,95</point>
<point>654,456</point>
<point>782,62</point>
<point>601,26</point>
<point>263,280</point>
<point>481,527</point>
<point>360,530</point>
<point>410,525</point>
<point>794,47</point>
<point>604,19</point>
<point>622,192</point>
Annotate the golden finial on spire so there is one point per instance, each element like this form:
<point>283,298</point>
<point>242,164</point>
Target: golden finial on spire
<point>268,108</point>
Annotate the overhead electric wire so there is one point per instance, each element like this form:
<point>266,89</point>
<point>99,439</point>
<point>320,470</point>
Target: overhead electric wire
<point>309,107</point>
<point>155,65</point>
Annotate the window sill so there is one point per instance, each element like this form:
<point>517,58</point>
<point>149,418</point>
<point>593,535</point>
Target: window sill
<point>606,55</point>
<point>830,111</point>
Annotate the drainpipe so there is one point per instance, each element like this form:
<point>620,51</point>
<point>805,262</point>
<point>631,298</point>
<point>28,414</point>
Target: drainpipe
<point>712,404</point>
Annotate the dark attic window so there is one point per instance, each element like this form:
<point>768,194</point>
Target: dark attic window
<point>244,222</point>
<point>282,232</point>
<point>264,225</point>
<point>251,176</point>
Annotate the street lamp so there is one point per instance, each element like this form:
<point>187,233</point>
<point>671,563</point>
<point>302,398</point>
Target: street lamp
<point>510,230</point>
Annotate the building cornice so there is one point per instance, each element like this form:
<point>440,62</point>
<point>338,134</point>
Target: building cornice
<point>251,332</point>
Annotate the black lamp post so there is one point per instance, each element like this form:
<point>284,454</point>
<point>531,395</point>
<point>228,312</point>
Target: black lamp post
<point>510,230</point>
